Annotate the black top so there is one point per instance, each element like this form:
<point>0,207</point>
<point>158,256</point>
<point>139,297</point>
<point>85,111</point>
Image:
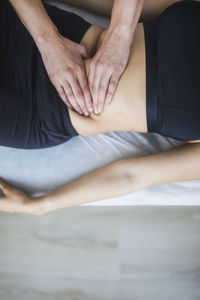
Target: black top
<point>32,115</point>
<point>173,71</point>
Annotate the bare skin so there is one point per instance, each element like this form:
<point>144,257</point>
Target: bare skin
<point>119,178</point>
<point>127,112</point>
<point>128,175</point>
<point>150,10</point>
<point>63,59</point>
<point>111,57</point>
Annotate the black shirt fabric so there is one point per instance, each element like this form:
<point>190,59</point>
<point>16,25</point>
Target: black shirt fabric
<point>173,71</point>
<point>32,115</point>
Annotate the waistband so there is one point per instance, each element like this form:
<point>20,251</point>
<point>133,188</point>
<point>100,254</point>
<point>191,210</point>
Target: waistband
<point>151,76</point>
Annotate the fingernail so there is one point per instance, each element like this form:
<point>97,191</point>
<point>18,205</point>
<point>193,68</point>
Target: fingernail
<point>86,114</point>
<point>96,111</point>
<point>107,101</point>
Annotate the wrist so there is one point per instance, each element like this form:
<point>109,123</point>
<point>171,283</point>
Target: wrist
<point>121,26</point>
<point>44,39</point>
<point>121,32</point>
<point>125,16</point>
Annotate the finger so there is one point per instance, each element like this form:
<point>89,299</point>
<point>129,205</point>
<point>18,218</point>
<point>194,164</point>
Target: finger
<point>95,88</point>
<point>91,76</point>
<point>78,94</point>
<point>83,51</point>
<point>69,105</point>
<point>111,89</point>
<point>3,185</point>
<point>71,98</point>
<point>63,96</point>
<point>2,197</point>
<point>86,92</point>
<point>6,188</point>
<point>103,88</point>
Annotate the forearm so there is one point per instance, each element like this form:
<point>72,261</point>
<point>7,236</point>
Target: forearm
<point>127,176</point>
<point>125,16</point>
<point>110,181</point>
<point>35,18</point>
<point>176,165</point>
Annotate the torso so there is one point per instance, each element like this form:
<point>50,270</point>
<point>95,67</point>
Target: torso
<point>127,112</point>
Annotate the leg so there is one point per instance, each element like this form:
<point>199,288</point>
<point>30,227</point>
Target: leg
<point>103,7</point>
<point>151,9</point>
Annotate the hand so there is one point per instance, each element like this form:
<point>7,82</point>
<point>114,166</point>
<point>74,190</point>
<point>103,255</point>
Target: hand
<point>106,68</point>
<point>14,200</point>
<point>63,60</point>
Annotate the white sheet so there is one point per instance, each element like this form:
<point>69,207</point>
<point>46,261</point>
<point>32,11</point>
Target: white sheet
<point>40,171</point>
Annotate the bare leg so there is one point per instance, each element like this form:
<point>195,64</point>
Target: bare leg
<point>102,7</point>
<point>151,9</point>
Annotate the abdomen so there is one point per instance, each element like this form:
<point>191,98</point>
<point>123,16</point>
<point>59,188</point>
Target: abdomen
<point>127,112</point>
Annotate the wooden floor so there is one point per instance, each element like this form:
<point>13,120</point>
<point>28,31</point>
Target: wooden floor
<point>101,253</point>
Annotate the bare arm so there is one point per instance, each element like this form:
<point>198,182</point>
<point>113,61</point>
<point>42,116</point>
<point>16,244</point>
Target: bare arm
<point>62,58</point>
<point>110,61</point>
<point>119,178</point>
<point>129,175</point>
<point>35,18</point>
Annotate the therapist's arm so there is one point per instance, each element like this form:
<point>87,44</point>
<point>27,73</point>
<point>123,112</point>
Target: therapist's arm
<point>111,59</point>
<point>63,59</point>
<point>119,178</point>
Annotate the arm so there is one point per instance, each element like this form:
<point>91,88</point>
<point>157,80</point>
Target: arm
<point>119,178</point>
<point>62,58</point>
<point>35,18</point>
<point>111,58</point>
<point>129,175</point>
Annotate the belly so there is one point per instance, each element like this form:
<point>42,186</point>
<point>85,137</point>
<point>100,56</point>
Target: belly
<point>128,109</point>
<point>127,112</point>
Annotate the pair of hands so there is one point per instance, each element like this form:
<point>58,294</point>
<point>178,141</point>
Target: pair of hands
<point>63,60</point>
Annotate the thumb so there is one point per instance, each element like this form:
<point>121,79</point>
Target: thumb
<point>6,188</point>
<point>83,51</point>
